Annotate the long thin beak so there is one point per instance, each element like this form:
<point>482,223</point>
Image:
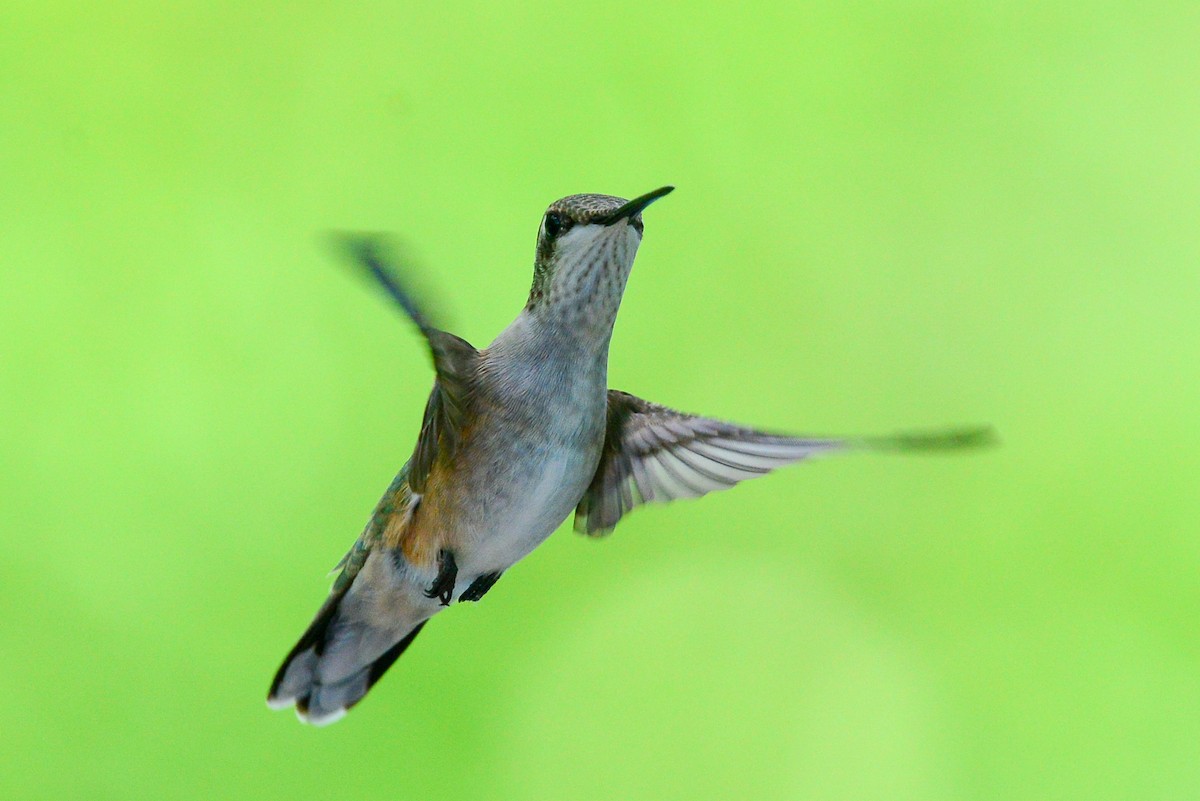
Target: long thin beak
<point>635,206</point>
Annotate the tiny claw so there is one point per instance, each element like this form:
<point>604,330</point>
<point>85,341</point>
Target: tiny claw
<point>480,586</point>
<point>443,586</point>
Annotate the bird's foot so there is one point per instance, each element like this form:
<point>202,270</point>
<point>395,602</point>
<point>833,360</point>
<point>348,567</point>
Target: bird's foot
<point>443,586</point>
<point>480,586</point>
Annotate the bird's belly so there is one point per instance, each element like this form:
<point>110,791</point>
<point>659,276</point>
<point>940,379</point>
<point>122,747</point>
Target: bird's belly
<point>525,508</point>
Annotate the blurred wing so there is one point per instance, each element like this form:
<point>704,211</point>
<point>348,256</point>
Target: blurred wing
<point>454,359</point>
<point>656,454</point>
<point>441,429</point>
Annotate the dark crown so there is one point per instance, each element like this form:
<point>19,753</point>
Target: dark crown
<point>583,209</point>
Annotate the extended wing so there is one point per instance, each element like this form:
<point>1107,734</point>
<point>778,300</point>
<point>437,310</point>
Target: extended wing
<point>656,454</point>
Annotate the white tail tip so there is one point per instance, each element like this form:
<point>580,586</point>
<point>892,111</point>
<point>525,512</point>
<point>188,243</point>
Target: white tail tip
<point>277,704</point>
<point>321,720</point>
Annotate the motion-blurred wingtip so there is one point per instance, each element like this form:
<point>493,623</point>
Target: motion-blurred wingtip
<point>941,441</point>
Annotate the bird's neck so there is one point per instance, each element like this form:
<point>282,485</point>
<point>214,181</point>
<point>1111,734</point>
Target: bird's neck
<point>553,340</point>
<point>578,302</point>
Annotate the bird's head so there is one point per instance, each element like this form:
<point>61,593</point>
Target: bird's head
<point>585,250</point>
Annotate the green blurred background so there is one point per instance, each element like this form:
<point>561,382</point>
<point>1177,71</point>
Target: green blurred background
<point>889,215</point>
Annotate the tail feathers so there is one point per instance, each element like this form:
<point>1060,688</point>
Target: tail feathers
<point>334,664</point>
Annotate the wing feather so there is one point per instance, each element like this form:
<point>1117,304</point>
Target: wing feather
<point>653,454</point>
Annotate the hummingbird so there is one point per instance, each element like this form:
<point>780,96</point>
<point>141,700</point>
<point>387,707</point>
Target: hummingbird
<point>514,438</point>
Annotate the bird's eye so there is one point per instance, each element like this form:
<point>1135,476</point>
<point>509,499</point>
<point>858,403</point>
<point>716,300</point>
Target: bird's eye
<point>555,225</point>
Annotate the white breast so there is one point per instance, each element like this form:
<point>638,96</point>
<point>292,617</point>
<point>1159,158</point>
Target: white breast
<point>540,503</point>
